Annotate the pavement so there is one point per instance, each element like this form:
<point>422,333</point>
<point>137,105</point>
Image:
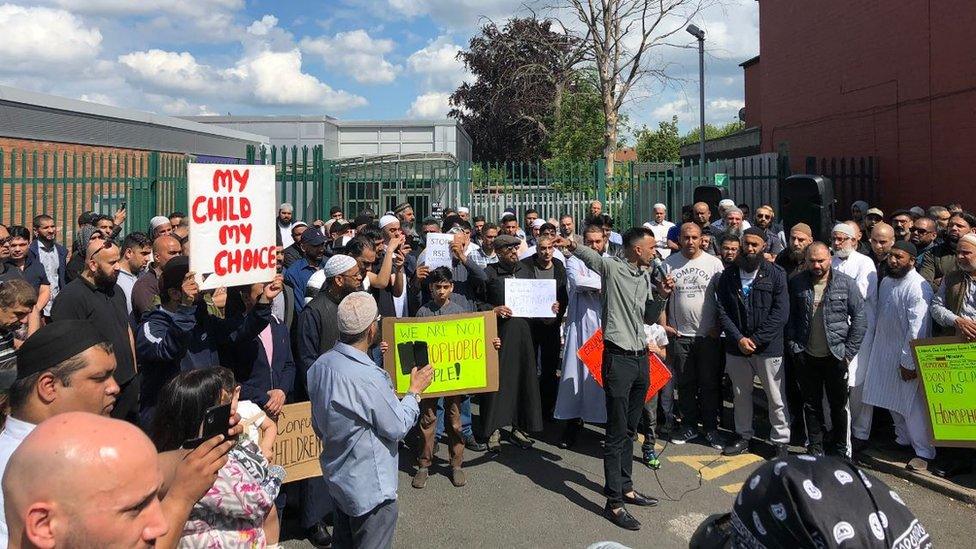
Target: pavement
<point>549,497</point>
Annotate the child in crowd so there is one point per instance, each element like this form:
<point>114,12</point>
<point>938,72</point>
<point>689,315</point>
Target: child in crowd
<point>440,283</point>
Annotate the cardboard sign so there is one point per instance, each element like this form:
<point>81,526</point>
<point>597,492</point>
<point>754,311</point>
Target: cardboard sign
<point>591,354</point>
<point>947,368</point>
<point>232,224</point>
<point>530,298</point>
<point>437,253</point>
<point>458,347</point>
<point>297,448</point>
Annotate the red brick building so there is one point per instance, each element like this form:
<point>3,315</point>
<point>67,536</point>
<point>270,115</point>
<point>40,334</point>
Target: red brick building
<point>893,79</point>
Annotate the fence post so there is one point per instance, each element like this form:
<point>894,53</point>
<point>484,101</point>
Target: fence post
<point>464,183</point>
<point>601,180</point>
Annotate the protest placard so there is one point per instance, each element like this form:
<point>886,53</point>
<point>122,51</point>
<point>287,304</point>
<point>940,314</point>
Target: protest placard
<point>458,347</point>
<point>530,298</point>
<point>232,224</point>
<point>437,253</point>
<point>947,369</point>
<point>297,448</point>
<point>591,354</point>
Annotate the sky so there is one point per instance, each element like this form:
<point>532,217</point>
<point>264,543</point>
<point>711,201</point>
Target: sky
<point>350,59</point>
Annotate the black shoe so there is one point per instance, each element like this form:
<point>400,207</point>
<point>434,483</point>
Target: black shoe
<point>684,435</point>
<point>858,445</point>
<point>783,450</point>
<point>319,536</point>
<point>815,450</point>
<point>950,469</point>
<point>622,518</point>
<point>640,500</point>
<point>471,443</point>
<point>736,448</point>
<point>714,439</point>
<point>570,435</point>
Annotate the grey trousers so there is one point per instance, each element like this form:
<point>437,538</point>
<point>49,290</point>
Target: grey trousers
<point>374,530</point>
<point>741,370</point>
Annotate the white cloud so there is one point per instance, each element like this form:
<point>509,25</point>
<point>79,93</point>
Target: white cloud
<point>677,107</point>
<point>182,107</point>
<point>36,38</point>
<point>269,70</point>
<point>100,98</point>
<point>263,26</point>
<point>173,71</point>
<point>357,54</point>
<point>264,75</point>
<point>460,14</point>
<point>430,105</point>
<point>129,7</point>
<point>202,21</point>
<point>438,66</point>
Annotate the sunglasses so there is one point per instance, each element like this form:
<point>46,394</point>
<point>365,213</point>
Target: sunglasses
<point>763,216</point>
<point>917,230</point>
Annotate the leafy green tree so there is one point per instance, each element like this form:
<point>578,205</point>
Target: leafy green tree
<point>661,145</point>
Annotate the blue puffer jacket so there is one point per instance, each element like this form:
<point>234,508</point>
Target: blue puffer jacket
<point>844,317</point>
<point>761,316</point>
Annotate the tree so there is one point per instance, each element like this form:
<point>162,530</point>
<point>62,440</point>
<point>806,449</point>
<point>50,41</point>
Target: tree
<point>521,72</point>
<point>578,128</point>
<point>620,36</point>
<point>713,132</point>
<point>661,145</point>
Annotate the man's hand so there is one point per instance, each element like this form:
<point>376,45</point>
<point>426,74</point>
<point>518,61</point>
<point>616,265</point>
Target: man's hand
<point>276,399</point>
<point>395,243</point>
<point>220,297</point>
<point>384,347</point>
<point>503,311</point>
<point>496,343</point>
<point>422,272</point>
<point>197,472</point>
<point>654,348</point>
<point>272,289</point>
<point>457,248</point>
<point>420,379</point>
<point>563,242</point>
<point>555,308</point>
<point>966,327</point>
<point>234,426</point>
<point>190,289</point>
<point>671,331</point>
<point>119,217</point>
<point>747,346</point>
<point>906,374</point>
<point>665,287</point>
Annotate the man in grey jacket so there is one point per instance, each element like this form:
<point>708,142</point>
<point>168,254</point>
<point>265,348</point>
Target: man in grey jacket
<point>827,324</point>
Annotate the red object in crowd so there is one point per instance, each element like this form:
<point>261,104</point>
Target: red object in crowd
<point>591,353</point>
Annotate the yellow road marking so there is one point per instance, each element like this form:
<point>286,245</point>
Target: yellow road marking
<point>712,466</point>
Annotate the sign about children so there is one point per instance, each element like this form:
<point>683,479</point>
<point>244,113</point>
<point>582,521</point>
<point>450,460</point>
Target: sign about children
<point>947,368</point>
<point>458,347</point>
<point>297,448</point>
<point>232,224</point>
<point>437,253</point>
<point>530,298</point>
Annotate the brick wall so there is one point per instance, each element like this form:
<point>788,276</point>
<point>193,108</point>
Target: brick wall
<point>63,180</point>
<point>891,79</point>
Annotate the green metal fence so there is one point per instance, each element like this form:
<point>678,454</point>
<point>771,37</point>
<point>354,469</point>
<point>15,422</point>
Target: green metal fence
<point>64,184</point>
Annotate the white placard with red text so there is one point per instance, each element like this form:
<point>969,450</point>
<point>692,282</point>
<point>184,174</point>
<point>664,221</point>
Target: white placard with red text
<point>232,224</point>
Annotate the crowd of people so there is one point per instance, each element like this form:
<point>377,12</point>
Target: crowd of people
<point>118,327</point>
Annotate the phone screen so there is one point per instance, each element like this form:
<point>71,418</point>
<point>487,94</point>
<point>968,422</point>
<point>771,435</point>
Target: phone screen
<point>420,354</point>
<point>406,353</point>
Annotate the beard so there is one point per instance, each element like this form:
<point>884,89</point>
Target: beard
<point>797,255</point>
<point>843,253</point>
<point>105,280</point>
<point>749,262</point>
<point>735,231</point>
<point>966,266</point>
<point>899,272</point>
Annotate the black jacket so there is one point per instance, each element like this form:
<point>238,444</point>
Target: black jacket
<point>845,320</point>
<point>256,376</point>
<point>761,316</point>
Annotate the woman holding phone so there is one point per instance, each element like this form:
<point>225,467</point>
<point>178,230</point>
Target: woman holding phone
<point>234,511</point>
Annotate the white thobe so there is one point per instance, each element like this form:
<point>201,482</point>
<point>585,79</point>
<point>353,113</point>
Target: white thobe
<point>580,396</point>
<point>903,315</point>
<point>860,267</point>
<point>660,231</point>
<point>14,433</point>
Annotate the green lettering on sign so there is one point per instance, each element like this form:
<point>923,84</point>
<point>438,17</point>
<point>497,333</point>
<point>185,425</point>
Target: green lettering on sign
<point>456,349</point>
<point>948,373</point>
<point>721,179</point>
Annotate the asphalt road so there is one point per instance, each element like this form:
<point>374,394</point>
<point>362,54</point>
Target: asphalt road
<point>548,497</point>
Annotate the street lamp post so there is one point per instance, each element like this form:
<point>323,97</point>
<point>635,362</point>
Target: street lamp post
<point>700,35</point>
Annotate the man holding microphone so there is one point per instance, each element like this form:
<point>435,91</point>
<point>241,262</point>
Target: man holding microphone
<point>628,299</point>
